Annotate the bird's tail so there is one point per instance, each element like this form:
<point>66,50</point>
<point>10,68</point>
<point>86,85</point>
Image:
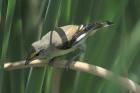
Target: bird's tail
<point>88,30</point>
<point>96,25</point>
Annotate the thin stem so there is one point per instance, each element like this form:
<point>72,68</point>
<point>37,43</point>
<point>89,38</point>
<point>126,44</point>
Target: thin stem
<point>79,66</point>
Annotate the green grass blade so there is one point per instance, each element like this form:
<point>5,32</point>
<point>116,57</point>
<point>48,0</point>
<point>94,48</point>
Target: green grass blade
<point>49,23</point>
<point>17,77</point>
<point>35,82</point>
<point>7,30</point>
<point>0,9</point>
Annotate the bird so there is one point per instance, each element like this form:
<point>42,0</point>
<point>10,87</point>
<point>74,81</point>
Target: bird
<point>63,40</point>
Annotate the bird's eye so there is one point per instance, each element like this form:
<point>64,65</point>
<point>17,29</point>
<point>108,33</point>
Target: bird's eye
<point>37,54</point>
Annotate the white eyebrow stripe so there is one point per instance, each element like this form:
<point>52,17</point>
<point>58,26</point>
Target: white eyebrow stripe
<point>80,37</point>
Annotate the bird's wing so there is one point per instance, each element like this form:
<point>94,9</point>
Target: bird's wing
<point>68,36</point>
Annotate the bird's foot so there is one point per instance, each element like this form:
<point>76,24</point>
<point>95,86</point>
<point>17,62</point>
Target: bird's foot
<point>67,65</point>
<point>51,61</point>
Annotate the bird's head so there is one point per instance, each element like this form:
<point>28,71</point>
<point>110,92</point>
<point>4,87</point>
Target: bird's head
<point>35,52</point>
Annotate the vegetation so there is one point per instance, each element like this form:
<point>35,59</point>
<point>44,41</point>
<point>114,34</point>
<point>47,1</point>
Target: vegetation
<point>115,48</point>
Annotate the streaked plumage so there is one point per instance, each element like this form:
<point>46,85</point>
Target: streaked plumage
<point>63,40</point>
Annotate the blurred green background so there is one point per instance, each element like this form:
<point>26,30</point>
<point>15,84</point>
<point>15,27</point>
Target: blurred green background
<point>116,48</point>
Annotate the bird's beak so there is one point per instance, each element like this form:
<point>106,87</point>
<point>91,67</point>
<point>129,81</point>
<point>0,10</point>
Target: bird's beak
<point>27,61</point>
<point>29,58</point>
